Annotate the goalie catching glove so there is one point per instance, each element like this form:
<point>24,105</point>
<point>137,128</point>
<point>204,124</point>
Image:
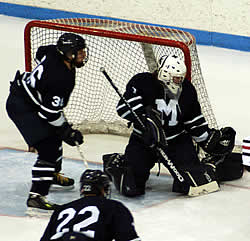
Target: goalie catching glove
<point>69,135</point>
<point>219,142</point>
<point>153,135</point>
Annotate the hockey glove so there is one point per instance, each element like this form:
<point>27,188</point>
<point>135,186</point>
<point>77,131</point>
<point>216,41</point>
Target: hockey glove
<point>154,134</point>
<point>69,135</point>
<point>219,142</point>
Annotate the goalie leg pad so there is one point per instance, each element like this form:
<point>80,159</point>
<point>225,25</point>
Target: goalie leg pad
<point>121,175</point>
<point>199,180</point>
<point>204,181</point>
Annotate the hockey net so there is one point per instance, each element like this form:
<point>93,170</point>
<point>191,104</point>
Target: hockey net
<point>123,49</point>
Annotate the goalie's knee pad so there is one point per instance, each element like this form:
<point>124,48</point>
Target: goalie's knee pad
<point>198,180</point>
<point>121,175</point>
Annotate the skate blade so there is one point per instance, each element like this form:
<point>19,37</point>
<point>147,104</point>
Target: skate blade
<point>203,189</point>
<point>55,187</point>
<point>37,212</point>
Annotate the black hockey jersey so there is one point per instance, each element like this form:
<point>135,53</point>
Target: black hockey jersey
<point>178,116</point>
<point>50,85</point>
<point>98,218</point>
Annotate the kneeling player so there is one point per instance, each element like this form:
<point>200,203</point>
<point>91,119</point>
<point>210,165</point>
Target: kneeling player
<point>167,121</point>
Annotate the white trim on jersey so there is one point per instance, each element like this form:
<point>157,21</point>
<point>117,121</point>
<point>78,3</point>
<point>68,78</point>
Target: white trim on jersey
<point>36,101</point>
<point>172,137</point>
<point>203,124</point>
<point>59,121</point>
<point>134,108</point>
<point>193,120</point>
<point>129,100</point>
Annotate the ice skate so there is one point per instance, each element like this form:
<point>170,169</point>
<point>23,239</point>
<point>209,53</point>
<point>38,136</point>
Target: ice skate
<point>38,205</point>
<point>60,182</point>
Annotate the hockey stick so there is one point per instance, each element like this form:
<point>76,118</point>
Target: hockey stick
<point>169,164</point>
<point>122,97</point>
<point>81,154</point>
<point>80,151</point>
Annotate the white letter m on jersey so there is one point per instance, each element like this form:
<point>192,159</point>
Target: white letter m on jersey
<point>171,108</point>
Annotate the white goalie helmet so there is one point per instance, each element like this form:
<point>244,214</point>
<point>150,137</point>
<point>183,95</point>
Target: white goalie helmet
<point>172,72</point>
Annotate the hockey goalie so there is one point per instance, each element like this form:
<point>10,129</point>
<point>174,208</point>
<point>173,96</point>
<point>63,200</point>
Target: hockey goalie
<point>168,126</point>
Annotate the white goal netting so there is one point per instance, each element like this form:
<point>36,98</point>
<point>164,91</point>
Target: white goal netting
<point>124,49</point>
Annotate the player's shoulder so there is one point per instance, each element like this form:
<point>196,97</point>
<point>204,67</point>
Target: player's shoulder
<point>187,85</point>
<point>74,203</point>
<point>143,80</point>
<point>143,76</point>
<point>189,93</point>
<point>48,51</point>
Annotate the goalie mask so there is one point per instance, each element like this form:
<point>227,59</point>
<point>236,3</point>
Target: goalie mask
<point>172,72</point>
<point>69,44</point>
<point>95,182</point>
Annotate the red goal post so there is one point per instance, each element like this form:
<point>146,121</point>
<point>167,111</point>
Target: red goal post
<point>123,48</point>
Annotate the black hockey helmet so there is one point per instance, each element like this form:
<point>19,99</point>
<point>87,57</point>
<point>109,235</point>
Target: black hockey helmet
<point>93,182</point>
<point>70,43</point>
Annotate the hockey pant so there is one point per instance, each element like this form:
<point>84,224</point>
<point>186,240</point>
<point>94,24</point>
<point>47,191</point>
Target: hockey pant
<point>24,113</point>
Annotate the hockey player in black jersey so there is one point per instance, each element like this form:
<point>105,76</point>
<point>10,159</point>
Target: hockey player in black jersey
<point>167,121</point>
<point>93,216</point>
<point>35,104</point>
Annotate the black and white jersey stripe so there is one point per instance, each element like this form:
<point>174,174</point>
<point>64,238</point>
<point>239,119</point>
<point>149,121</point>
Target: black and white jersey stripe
<point>135,103</point>
<point>197,127</point>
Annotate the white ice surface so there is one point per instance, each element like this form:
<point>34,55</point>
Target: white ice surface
<point>221,216</point>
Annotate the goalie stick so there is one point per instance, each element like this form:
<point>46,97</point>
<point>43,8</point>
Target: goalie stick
<point>193,190</point>
<point>121,96</point>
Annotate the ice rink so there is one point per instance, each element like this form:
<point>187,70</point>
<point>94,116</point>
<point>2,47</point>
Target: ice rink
<point>221,216</point>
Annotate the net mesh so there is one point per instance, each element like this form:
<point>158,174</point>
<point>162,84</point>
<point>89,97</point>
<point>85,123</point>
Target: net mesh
<point>123,49</point>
